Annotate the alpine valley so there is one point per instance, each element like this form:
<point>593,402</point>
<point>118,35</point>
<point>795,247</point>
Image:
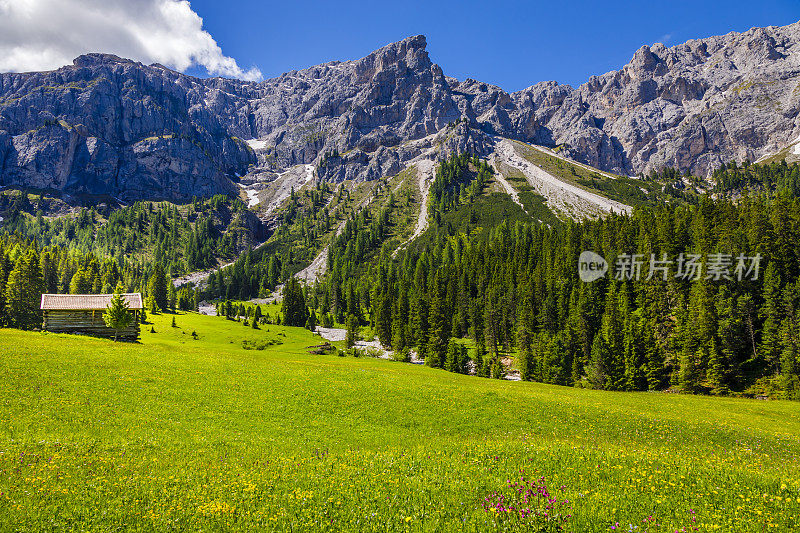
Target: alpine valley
<point>365,306</point>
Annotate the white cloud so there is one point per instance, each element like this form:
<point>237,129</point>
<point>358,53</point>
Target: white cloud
<point>47,34</point>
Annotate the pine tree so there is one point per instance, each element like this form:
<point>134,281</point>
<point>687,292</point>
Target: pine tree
<point>633,360</point>
<point>311,322</point>
<point>452,357</point>
<point>157,289</point>
<point>479,360</point>
<point>526,363</point>
<point>524,334</point>
<point>80,284</point>
<point>437,332</point>
<point>419,321</point>
<point>383,317</point>
<point>23,292</point>
<point>171,296</point>
<point>497,369</point>
<point>151,305</point>
<point>596,371</point>
<point>716,371</point>
<point>352,332</point>
<point>295,312</point>
<point>399,341</point>
<point>118,316</point>
<point>688,380</point>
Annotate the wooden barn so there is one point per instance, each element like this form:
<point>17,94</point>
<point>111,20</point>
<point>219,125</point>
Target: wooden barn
<point>83,314</point>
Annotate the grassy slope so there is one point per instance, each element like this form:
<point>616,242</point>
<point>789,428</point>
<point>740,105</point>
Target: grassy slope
<point>631,191</point>
<point>535,204</point>
<point>202,434</point>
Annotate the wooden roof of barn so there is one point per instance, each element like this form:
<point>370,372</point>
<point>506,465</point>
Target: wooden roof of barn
<point>86,302</point>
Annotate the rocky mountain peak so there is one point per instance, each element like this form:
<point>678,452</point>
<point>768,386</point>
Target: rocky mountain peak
<point>411,50</point>
<point>108,125</point>
<point>96,59</point>
<point>403,58</point>
<point>644,59</point>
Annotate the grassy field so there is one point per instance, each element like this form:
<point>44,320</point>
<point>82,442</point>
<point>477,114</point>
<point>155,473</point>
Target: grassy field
<point>188,434</point>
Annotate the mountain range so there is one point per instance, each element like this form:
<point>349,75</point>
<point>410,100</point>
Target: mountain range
<point>111,127</point>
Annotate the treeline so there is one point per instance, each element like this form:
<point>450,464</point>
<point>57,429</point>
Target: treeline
<point>27,271</point>
<point>309,214</point>
<point>516,290</point>
<point>181,238</point>
<point>458,180</point>
<point>778,176</point>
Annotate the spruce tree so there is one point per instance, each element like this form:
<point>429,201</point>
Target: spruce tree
<point>311,322</point>
<point>596,371</point>
<point>157,288</point>
<point>438,338</point>
<point>118,316</point>
<point>716,371</point>
<point>351,335</point>
<point>526,363</point>
<point>151,305</point>
<point>23,292</point>
<point>295,312</point>
<point>399,335</point>
<point>80,284</point>
<point>688,380</point>
<point>382,314</point>
<point>480,355</point>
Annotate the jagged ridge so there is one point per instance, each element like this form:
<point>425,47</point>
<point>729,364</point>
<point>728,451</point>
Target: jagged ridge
<point>111,126</point>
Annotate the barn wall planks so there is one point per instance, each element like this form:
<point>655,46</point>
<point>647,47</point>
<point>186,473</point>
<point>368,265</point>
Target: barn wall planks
<point>87,323</point>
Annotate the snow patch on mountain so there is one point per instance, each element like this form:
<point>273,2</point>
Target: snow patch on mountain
<point>256,144</point>
<point>252,195</point>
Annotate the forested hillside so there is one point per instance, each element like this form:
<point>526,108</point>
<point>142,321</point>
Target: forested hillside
<point>141,246</point>
<point>485,271</point>
<point>182,238</point>
<point>512,286</point>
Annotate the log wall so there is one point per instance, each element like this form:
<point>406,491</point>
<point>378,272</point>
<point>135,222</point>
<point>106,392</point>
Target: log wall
<point>87,323</point>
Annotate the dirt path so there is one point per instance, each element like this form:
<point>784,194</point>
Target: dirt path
<point>426,170</point>
<point>565,197</point>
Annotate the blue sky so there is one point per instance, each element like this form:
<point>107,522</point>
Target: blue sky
<point>508,43</point>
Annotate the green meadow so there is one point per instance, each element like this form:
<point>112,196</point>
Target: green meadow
<point>244,429</point>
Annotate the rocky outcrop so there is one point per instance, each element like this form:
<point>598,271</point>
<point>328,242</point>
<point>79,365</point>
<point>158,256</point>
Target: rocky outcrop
<point>110,126</point>
<point>692,106</point>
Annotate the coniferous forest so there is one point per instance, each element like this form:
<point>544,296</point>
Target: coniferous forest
<point>511,287</point>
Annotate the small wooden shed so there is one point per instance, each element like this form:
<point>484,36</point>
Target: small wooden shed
<point>83,314</point>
